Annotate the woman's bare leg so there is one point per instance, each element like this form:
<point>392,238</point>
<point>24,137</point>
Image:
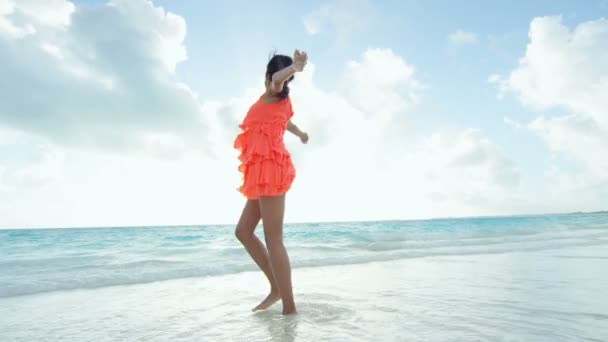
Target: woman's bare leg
<point>245,233</point>
<point>273,210</point>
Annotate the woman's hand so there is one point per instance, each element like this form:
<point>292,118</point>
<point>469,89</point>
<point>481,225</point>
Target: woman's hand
<point>299,60</point>
<point>293,129</point>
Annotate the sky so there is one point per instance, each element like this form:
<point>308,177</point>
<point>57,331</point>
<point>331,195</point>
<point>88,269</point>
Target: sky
<point>123,112</point>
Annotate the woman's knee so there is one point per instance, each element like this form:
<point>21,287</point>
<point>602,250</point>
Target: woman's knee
<point>242,234</point>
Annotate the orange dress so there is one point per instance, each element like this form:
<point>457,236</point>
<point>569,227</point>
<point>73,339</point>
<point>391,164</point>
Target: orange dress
<point>266,164</point>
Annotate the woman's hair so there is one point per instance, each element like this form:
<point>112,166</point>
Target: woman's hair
<point>276,63</point>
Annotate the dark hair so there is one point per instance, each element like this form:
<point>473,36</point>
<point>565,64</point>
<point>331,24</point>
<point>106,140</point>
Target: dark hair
<point>276,63</point>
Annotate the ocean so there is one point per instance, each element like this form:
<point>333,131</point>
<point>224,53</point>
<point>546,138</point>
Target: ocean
<point>529,278</point>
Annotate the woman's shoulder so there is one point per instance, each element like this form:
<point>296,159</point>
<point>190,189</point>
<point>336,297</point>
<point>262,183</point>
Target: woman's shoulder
<point>262,109</point>
<point>285,103</point>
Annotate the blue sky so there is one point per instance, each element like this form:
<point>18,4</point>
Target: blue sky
<point>419,109</point>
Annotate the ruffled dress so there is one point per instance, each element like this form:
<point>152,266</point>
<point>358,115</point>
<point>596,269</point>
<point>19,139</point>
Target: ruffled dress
<point>266,164</point>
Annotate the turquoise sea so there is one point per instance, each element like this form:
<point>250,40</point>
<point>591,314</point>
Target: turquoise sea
<point>532,278</point>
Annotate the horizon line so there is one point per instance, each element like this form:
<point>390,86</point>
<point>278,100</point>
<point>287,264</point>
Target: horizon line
<point>599,212</point>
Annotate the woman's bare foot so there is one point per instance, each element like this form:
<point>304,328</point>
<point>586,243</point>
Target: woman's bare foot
<point>289,311</point>
<point>272,298</point>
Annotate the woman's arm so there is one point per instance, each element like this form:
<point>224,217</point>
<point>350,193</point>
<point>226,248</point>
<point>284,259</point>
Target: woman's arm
<point>293,129</point>
<point>278,78</point>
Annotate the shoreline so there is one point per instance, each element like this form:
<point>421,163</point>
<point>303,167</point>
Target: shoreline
<point>442,298</point>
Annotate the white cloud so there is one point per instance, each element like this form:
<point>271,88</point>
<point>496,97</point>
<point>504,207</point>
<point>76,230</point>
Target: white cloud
<point>566,70</point>
<point>3,186</point>
<point>99,76</point>
<point>513,123</point>
<point>382,84</point>
<point>46,168</point>
<point>164,31</point>
<point>460,37</point>
<point>578,137</point>
<point>55,13</point>
<point>314,21</point>
<point>36,165</point>
<point>99,189</point>
<point>465,163</point>
<point>8,136</point>
<point>19,19</point>
<point>345,17</point>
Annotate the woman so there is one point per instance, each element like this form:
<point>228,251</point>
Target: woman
<point>267,175</point>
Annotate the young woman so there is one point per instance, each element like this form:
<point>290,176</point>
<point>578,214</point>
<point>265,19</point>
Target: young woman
<point>267,175</point>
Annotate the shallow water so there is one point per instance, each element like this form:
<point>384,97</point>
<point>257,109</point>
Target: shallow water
<point>504,279</point>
